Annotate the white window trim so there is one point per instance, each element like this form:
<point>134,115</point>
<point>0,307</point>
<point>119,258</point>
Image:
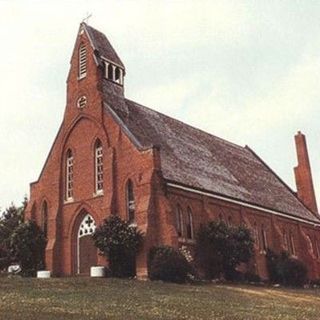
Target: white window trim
<point>98,182</point>
<point>190,221</point>
<point>82,102</point>
<point>69,178</point>
<point>82,71</point>
<point>130,203</point>
<point>120,81</point>
<point>179,217</point>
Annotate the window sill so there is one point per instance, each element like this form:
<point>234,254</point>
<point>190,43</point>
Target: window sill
<point>82,77</point>
<point>185,240</point>
<point>114,82</point>
<point>70,200</point>
<point>98,194</point>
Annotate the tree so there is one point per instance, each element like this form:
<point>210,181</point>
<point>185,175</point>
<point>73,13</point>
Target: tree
<point>220,249</point>
<point>119,242</point>
<point>9,221</point>
<point>27,247</point>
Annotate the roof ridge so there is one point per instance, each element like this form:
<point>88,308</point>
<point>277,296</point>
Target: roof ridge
<point>188,125</point>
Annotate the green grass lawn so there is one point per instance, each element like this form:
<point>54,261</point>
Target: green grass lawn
<point>84,298</point>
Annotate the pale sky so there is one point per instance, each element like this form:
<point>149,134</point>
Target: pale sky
<point>246,71</point>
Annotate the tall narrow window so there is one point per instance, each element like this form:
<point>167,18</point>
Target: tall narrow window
<point>110,71</point>
<point>292,249</point>
<point>316,247</point>
<point>69,175</point>
<point>130,202</point>
<point>117,76</point>
<point>82,61</point>
<point>179,221</point>
<point>256,235</point>
<point>189,224</point>
<point>99,166</point>
<point>310,244</point>
<point>285,240</point>
<point>44,218</point>
<point>264,238</point>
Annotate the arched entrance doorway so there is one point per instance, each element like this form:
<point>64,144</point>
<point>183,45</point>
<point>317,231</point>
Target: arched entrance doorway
<point>86,250</point>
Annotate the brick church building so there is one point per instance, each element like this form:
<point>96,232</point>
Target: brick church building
<point>114,156</point>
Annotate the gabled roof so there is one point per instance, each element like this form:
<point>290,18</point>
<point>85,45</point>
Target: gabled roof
<point>102,45</point>
<point>197,159</point>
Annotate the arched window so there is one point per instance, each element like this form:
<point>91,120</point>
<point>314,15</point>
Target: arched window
<point>310,245</point>
<point>316,247</point>
<point>87,226</point>
<point>264,238</point>
<point>179,221</point>
<point>82,61</point>
<point>98,166</point>
<point>285,240</point>
<point>44,218</point>
<point>292,249</point>
<point>131,206</point>
<point>256,235</point>
<point>69,175</point>
<point>189,225</point>
<point>229,221</point>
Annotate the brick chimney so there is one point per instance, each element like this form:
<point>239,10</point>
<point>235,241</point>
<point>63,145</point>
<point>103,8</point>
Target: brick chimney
<point>302,171</point>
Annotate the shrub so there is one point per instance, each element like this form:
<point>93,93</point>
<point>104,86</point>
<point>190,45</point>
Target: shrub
<point>220,249</point>
<point>286,270</point>
<point>9,221</point>
<point>27,247</point>
<point>168,264</point>
<point>119,242</point>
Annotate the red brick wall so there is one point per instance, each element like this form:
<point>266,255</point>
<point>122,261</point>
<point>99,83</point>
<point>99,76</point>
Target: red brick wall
<point>205,208</point>
<point>121,161</point>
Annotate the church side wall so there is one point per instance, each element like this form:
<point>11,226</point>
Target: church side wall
<point>204,209</point>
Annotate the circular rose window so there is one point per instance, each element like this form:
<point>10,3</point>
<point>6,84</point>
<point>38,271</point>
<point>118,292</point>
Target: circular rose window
<point>82,102</point>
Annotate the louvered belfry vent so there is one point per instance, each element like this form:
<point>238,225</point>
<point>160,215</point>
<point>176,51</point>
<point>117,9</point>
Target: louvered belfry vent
<point>82,61</point>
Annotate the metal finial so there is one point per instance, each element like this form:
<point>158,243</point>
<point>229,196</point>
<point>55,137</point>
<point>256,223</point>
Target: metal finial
<point>86,19</point>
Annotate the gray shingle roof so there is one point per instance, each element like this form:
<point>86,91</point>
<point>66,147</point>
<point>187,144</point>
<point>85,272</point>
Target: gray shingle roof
<point>102,45</point>
<point>197,159</point>
<point>200,160</point>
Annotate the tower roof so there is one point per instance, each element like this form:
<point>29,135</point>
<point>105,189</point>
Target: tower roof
<point>102,45</point>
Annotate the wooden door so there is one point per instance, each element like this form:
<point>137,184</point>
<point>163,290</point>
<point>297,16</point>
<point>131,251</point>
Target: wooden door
<point>87,254</point>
